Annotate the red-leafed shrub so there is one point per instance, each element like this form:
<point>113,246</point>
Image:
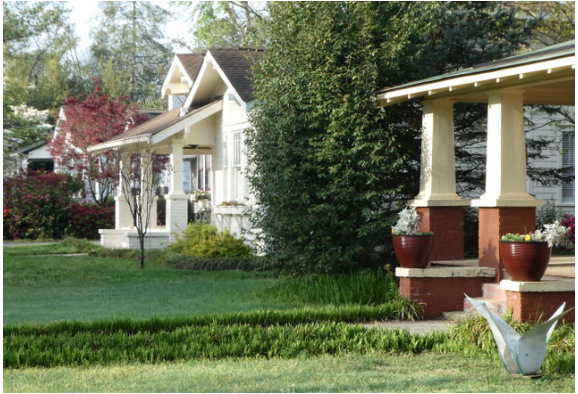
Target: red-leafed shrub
<point>36,204</point>
<point>87,218</point>
<point>569,222</point>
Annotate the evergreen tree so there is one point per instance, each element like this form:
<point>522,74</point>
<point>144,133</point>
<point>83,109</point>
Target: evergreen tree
<point>131,51</point>
<point>328,165</point>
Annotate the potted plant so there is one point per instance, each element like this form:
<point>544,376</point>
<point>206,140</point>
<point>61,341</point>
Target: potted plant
<point>412,247</point>
<point>526,256</point>
<point>202,197</point>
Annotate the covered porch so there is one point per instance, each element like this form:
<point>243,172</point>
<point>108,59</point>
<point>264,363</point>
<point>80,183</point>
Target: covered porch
<point>543,77</point>
<point>174,134</point>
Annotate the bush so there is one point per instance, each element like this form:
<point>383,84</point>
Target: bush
<point>87,218</point>
<point>203,240</point>
<point>36,205</point>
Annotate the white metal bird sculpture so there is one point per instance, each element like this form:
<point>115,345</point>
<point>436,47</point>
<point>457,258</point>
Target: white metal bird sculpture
<point>521,354</point>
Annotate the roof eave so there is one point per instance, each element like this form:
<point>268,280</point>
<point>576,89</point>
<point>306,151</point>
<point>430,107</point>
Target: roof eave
<point>473,80</point>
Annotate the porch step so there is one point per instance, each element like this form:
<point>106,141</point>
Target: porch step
<point>494,305</point>
<point>454,316</point>
<point>493,291</point>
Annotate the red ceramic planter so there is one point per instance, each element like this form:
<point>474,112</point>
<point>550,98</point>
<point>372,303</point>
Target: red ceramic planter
<point>525,261</point>
<point>413,251</point>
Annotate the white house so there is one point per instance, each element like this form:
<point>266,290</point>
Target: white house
<point>209,99</point>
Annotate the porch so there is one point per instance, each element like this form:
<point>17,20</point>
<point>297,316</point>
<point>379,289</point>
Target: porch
<point>542,77</point>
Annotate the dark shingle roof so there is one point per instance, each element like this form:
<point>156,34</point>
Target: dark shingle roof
<point>192,63</point>
<point>236,64</point>
<point>158,123</point>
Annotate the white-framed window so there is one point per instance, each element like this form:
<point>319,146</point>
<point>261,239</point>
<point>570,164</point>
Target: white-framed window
<point>233,164</point>
<point>568,157</point>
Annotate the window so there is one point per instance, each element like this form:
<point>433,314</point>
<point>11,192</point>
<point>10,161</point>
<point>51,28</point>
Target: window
<point>237,183</point>
<point>568,158</point>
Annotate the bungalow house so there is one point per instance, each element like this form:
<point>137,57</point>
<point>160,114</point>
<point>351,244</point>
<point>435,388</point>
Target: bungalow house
<point>209,98</point>
<point>542,77</point>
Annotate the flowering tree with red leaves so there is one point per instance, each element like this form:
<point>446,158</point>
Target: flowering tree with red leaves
<point>90,122</point>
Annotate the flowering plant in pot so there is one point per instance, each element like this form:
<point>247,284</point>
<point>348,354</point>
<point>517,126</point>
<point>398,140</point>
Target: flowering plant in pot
<point>202,197</point>
<point>526,256</point>
<point>412,247</point>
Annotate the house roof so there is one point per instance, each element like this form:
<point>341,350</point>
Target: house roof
<point>30,148</point>
<point>168,122</point>
<point>557,61</point>
<point>236,65</point>
<point>191,63</point>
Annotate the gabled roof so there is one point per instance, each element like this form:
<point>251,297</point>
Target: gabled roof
<point>191,63</point>
<point>182,74</point>
<point>557,61</point>
<point>236,65</point>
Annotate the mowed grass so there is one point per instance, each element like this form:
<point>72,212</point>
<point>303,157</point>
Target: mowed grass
<point>47,288</point>
<point>379,373</point>
<point>43,289</point>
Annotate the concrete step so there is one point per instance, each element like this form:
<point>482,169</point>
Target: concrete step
<point>454,316</point>
<point>493,291</point>
<point>496,306</point>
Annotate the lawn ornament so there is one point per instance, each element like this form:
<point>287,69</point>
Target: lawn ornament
<point>521,354</point>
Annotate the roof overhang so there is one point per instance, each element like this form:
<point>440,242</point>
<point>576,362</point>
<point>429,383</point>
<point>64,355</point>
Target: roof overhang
<point>177,81</point>
<point>548,82</point>
<point>165,134</point>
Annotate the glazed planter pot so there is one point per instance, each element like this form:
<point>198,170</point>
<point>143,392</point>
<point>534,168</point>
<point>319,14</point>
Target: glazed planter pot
<point>413,251</point>
<point>525,261</point>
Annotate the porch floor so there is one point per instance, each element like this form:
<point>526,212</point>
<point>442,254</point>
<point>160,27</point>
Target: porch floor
<point>559,267</point>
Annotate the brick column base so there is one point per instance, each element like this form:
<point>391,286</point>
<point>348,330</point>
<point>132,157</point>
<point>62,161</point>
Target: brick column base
<point>497,221</point>
<point>448,225</point>
<point>442,289</point>
<point>537,301</point>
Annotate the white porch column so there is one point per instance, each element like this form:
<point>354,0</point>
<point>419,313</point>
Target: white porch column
<point>148,189</point>
<point>506,183</point>
<point>438,169</point>
<point>176,200</point>
<point>122,216</point>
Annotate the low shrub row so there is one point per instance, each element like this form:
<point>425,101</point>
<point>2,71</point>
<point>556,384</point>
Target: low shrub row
<point>299,335</point>
<point>348,313</point>
<point>214,341</point>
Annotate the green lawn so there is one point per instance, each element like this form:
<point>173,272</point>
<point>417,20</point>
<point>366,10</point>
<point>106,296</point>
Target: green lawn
<point>378,373</point>
<point>47,288</point>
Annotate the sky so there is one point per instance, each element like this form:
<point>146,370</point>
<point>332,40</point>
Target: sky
<point>84,16</point>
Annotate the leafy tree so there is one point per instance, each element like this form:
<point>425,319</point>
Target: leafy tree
<point>130,50</point>
<point>557,20</point>
<point>23,126</point>
<point>326,161</point>
<point>228,24</point>
<point>90,122</point>
<point>328,166</point>
<point>40,64</point>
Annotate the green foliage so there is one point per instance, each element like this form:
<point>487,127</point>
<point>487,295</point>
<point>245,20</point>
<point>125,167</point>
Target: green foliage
<point>362,288</point>
<point>218,264</point>
<point>325,163</point>
<point>473,337</point>
<point>211,341</point>
<point>203,240</point>
<point>131,51</point>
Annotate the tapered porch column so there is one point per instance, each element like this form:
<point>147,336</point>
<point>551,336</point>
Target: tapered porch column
<point>506,206</point>
<point>176,200</point>
<point>122,216</point>
<point>438,203</point>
